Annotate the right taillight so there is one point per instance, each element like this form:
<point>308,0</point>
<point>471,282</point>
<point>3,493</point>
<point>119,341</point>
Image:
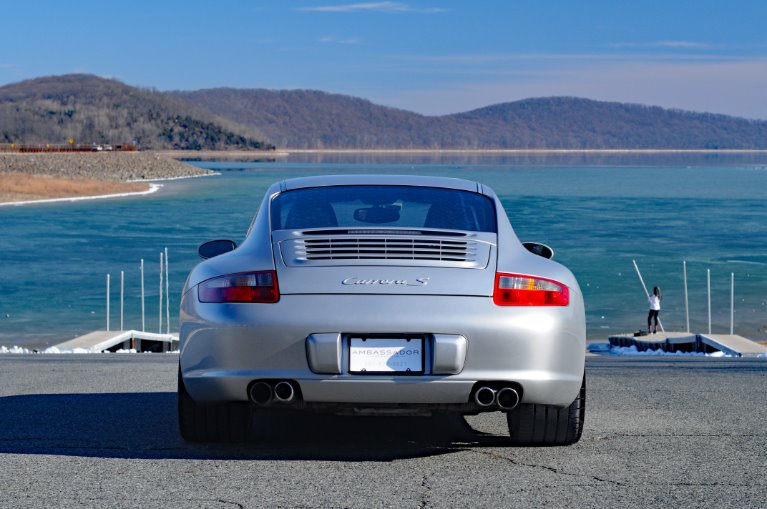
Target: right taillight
<point>521,290</point>
<point>260,287</point>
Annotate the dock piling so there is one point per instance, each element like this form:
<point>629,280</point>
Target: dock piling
<point>167,294</point>
<point>708,286</point>
<point>122,299</point>
<point>686,297</point>
<point>108,276</point>
<point>164,298</point>
<point>143,322</point>
<point>732,303</point>
<point>159,331</point>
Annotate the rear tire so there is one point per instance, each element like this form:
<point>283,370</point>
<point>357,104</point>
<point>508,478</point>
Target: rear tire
<point>219,422</point>
<point>531,424</point>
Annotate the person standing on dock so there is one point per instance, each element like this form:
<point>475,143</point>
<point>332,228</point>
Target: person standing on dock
<point>654,300</point>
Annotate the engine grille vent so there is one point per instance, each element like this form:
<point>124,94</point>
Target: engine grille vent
<point>420,250</point>
<point>386,249</point>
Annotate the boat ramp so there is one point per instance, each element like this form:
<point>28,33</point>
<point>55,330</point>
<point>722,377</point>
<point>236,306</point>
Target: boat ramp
<point>112,341</point>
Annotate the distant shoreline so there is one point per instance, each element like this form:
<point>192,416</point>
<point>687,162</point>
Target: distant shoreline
<point>289,151</point>
<point>221,155</point>
<point>256,155</point>
<point>113,174</point>
<point>153,188</point>
<point>32,178</point>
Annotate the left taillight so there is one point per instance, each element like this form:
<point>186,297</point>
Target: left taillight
<point>521,290</point>
<point>243,287</point>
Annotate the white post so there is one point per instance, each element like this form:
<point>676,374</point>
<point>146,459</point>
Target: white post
<point>732,303</point>
<point>647,294</point>
<point>167,294</point>
<point>122,297</point>
<point>161,281</point>
<point>143,323</point>
<point>108,302</point>
<point>708,286</point>
<point>686,298</point>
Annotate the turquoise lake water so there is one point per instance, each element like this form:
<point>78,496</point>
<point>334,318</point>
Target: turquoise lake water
<point>598,212</point>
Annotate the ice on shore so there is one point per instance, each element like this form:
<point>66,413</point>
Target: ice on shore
<point>14,349</point>
<point>606,348</point>
<point>54,350</point>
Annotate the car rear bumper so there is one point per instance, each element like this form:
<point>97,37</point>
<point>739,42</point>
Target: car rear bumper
<point>224,348</point>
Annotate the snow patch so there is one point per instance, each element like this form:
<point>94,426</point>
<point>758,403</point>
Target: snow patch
<point>57,351</point>
<point>53,349</point>
<point>14,349</point>
<point>606,348</point>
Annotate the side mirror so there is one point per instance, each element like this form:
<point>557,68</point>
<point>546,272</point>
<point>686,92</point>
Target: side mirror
<point>215,248</point>
<point>539,249</point>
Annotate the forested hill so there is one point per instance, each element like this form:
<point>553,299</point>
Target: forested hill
<point>97,110</point>
<point>312,119</point>
<point>90,109</point>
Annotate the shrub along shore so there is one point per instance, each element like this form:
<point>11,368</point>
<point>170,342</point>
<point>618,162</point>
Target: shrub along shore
<point>38,176</point>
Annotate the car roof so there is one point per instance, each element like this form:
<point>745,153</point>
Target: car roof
<point>381,180</point>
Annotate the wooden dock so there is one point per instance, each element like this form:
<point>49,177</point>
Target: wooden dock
<point>730,344</point>
<point>112,341</point>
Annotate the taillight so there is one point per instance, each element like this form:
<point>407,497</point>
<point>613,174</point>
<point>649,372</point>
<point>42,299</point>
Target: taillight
<point>244,287</point>
<point>519,290</point>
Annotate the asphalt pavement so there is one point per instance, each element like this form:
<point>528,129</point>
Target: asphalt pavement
<point>100,431</point>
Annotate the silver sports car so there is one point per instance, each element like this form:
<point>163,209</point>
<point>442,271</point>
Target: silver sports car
<point>381,295</point>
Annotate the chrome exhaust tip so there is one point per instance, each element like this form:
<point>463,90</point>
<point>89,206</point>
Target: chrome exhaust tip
<point>484,396</point>
<point>507,398</point>
<point>284,392</point>
<point>261,393</point>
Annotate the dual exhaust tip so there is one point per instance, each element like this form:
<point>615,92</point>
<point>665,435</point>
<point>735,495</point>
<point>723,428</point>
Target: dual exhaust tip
<point>505,398</point>
<point>265,393</point>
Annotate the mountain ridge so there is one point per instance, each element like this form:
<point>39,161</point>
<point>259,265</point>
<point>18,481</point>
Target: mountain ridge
<point>322,120</point>
<point>99,110</point>
<point>90,109</point>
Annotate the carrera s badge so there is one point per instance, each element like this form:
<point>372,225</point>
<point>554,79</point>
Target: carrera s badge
<point>421,281</point>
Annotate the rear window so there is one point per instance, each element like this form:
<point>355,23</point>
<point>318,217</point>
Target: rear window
<point>383,206</point>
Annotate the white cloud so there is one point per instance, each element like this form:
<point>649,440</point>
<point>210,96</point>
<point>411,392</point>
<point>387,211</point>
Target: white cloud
<point>681,44</point>
<point>667,44</point>
<point>338,40</point>
<point>501,58</point>
<point>388,7</point>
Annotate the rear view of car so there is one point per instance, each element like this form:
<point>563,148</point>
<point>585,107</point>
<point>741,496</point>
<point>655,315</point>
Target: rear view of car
<point>381,294</point>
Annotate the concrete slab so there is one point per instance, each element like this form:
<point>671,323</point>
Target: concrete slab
<point>737,343</point>
<point>99,341</point>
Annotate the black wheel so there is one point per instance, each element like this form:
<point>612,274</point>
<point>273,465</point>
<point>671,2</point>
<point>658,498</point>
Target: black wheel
<point>548,425</point>
<point>223,422</point>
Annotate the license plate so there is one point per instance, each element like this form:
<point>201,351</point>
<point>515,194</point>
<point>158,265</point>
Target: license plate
<point>386,355</point>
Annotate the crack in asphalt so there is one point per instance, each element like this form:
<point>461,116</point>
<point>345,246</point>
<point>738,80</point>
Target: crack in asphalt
<point>229,502</point>
<point>425,492</point>
<point>610,481</point>
<point>553,470</point>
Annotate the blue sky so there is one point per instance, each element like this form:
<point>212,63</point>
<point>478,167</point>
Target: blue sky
<point>432,57</point>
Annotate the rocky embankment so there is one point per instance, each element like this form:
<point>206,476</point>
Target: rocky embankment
<point>114,166</point>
